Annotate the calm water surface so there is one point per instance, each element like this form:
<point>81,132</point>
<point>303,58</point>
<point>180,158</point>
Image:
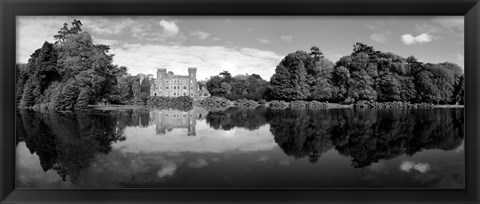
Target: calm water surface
<point>241,148</point>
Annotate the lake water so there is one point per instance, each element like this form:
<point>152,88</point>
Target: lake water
<point>241,148</point>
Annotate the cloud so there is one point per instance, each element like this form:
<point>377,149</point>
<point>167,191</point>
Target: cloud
<point>33,31</point>
<point>409,39</point>
<point>446,28</point>
<point>264,41</point>
<point>378,37</point>
<point>216,39</point>
<point>250,29</point>
<point>450,22</point>
<point>170,28</point>
<point>210,60</point>
<point>228,20</point>
<point>104,41</point>
<point>407,166</point>
<point>104,26</point>
<point>200,34</point>
<point>286,38</point>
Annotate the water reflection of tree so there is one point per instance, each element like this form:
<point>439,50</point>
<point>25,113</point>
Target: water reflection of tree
<point>366,135</point>
<point>301,133</point>
<point>67,142</point>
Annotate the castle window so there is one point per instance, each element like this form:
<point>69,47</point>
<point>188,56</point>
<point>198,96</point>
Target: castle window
<point>166,81</point>
<point>174,87</point>
<point>191,94</point>
<point>166,87</point>
<point>185,87</point>
<point>184,94</point>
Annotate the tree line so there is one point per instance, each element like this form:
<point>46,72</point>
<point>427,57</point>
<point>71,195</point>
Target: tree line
<point>73,72</point>
<point>365,74</point>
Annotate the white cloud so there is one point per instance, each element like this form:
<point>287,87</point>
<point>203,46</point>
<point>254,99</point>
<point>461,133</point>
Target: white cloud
<point>216,39</point>
<point>264,41</point>
<point>378,37</point>
<point>409,39</point>
<point>170,28</point>
<point>286,38</point>
<point>407,166</point>
<point>200,34</point>
<point>104,41</point>
<point>210,60</point>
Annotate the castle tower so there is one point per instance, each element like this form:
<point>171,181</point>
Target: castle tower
<point>192,74</point>
<point>161,72</point>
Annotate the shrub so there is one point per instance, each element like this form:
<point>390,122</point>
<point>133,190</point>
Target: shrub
<point>317,105</point>
<point>262,102</point>
<point>394,104</point>
<point>215,103</point>
<point>180,103</point>
<point>298,104</point>
<point>245,103</point>
<point>278,104</point>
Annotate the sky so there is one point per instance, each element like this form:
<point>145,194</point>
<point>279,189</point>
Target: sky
<point>248,44</point>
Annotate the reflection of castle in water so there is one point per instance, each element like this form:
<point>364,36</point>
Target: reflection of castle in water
<point>167,120</point>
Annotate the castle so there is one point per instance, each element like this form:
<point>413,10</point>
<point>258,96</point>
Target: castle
<point>170,85</point>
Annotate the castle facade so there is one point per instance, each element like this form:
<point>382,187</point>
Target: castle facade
<point>170,85</point>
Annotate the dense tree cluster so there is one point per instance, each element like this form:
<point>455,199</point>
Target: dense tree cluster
<point>133,89</point>
<point>238,87</point>
<point>366,74</point>
<point>69,73</point>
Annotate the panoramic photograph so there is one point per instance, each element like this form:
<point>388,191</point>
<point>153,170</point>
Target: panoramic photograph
<point>236,102</point>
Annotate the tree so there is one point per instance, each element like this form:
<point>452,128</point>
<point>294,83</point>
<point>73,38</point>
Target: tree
<point>290,79</point>
<point>69,74</point>
<point>213,86</point>
<point>136,89</point>
<point>362,76</point>
<point>316,53</point>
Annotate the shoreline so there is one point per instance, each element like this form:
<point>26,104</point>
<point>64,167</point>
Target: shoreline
<point>329,106</point>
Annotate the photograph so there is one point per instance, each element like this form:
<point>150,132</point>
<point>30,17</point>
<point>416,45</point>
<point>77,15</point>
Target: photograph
<point>239,102</point>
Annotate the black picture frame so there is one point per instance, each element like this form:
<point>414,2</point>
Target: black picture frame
<point>9,9</point>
